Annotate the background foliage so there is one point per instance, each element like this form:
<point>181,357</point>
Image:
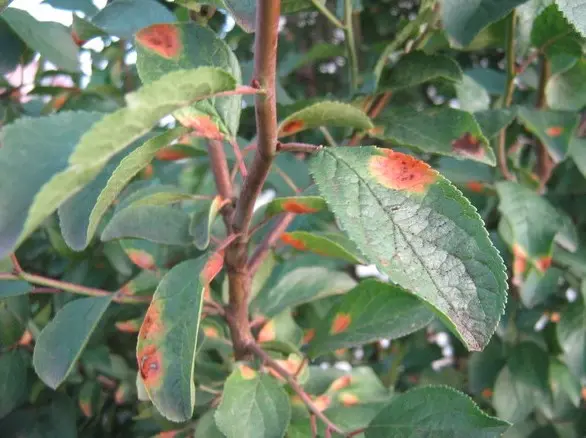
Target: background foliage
<point>101,191</point>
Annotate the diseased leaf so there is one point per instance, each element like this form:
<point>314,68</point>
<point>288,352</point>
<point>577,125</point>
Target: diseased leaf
<point>320,244</point>
<point>436,411</point>
<point>201,224</point>
<point>80,216</point>
<point>575,12</point>
<point>553,128</point>
<point>324,114</point>
<point>160,224</point>
<point>51,40</point>
<point>167,339</point>
<point>443,131</point>
<point>253,406</point>
<point>371,311</point>
<point>164,48</point>
<point>295,204</point>
<point>63,340</point>
<point>420,231</point>
<point>464,19</point>
<point>416,68</point>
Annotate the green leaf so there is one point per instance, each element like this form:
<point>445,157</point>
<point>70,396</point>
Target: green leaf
<point>484,366</point>
<point>436,411</point>
<point>42,146</point>
<point>253,406</point>
<point>4,4</point>
<point>63,340</point>
<point>553,35</point>
<point>420,231</point>
<point>371,311</point>
<point>575,12</point>
<point>566,91</point>
<point>492,121</point>
<point>13,380</point>
<point>85,6</point>
<point>472,96</point>
<point>553,128</point>
<point>123,18</point>
<point>14,316</point>
<point>301,286</point>
<point>512,400</point>
<point>324,114</point>
<point>538,287</point>
<point>416,68</point>
<point>578,153</point>
<point>464,19</point>
<point>281,328</point>
<point>529,366</point>
<point>190,46</point>
<point>571,333</point>
<point>320,244</point>
<point>51,40</point>
<point>295,204</point>
<point>11,288</point>
<point>167,339</point>
<point>443,131</point>
<point>561,377</point>
<point>534,221</point>
<point>11,48</point>
<point>81,215</point>
<point>160,224</point>
<point>201,224</point>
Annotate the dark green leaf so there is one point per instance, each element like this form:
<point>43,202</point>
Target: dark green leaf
<point>370,311</point>
<point>11,48</point>
<point>10,288</point>
<point>63,340</point>
<point>201,224</point>
<point>484,366</point>
<point>320,244</point>
<point>435,411</point>
<point>571,332</point>
<point>512,400</point>
<point>14,315</point>
<point>253,406</point>
<point>553,35</point>
<point>492,121</point>
<point>13,380</point>
<point>529,367</point>
<point>167,339</point>
<point>85,6</point>
<point>566,90</point>
<point>444,131</point>
<point>420,231</point>
<point>538,286</point>
<point>575,12</point>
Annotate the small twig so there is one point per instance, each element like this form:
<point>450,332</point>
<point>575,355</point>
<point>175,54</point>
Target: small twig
<point>258,351</point>
<point>351,45</point>
<point>298,147</point>
<point>269,241</point>
<point>286,178</point>
<point>45,290</point>
<point>15,264</point>
<point>219,165</point>
<point>328,136</point>
<point>313,423</point>
<point>215,307</point>
<point>239,158</point>
<point>317,4</point>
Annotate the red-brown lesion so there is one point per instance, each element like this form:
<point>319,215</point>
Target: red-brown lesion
<point>164,39</point>
<point>150,365</point>
<point>554,131</point>
<point>298,244</point>
<point>212,267</point>
<point>202,126</point>
<point>341,323</point>
<point>291,127</point>
<point>468,145</point>
<point>400,171</point>
<point>297,207</point>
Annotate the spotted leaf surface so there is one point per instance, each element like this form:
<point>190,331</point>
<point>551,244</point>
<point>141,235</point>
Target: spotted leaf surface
<point>419,230</point>
<point>553,128</point>
<point>320,244</point>
<point>253,406</point>
<point>371,311</point>
<point>296,204</point>
<point>443,131</point>
<point>167,338</point>
<point>163,48</point>
<point>324,114</point>
<point>63,340</point>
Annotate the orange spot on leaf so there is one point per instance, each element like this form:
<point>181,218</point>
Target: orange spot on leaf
<point>211,332</point>
<point>295,243</point>
<point>519,264</point>
<point>148,171</point>
<point>583,392</point>
<point>212,267</point>
<point>468,145</point>
<point>141,258</point>
<point>76,39</point>
<point>60,100</point>
<point>543,263</point>
<point>341,323</point>
<point>168,434</point>
<point>267,333</point>
<point>26,338</point>
<point>292,127</point>
<point>475,186</point>
<point>297,207</point>
<point>554,131</point>
<point>487,393</point>
<point>203,126</point>
<point>247,373</point>
<point>170,154</point>
<point>348,399</point>
<point>85,408</point>
<point>340,383</point>
<point>149,365</point>
<point>555,317</point>
<point>401,172</point>
<point>128,326</point>
<point>308,335</point>
<point>322,402</point>
<point>161,38</point>
<point>152,326</point>
<point>377,130</point>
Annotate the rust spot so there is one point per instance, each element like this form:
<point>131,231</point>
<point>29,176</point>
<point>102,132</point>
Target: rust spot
<point>76,39</point>
<point>141,258</point>
<point>399,171</point>
<point>203,126</point>
<point>341,323</point>
<point>212,267</point>
<point>171,154</point>
<point>519,264</point>
<point>348,399</point>
<point>340,352</point>
<point>308,335</point>
<point>211,332</point>
<point>168,434</point>
<point>322,402</point>
<point>161,38</point>
<point>86,408</point>
<point>295,243</point>
<point>340,383</point>
<point>475,186</point>
<point>128,326</point>
<point>291,127</point>
<point>555,317</point>
<point>543,263</point>
<point>377,130</point>
<point>60,100</point>
<point>468,145</point>
<point>149,365</point>
<point>296,400</point>
<point>247,373</point>
<point>152,326</point>
<point>583,392</point>
<point>26,338</point>
<point>267,333</point>
<point>487,393</point>
<point>554,131</point>
<point>297,207</point>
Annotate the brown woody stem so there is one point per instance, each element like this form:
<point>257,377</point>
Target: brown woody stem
<point>298,147</point>
<point>269,241</point>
